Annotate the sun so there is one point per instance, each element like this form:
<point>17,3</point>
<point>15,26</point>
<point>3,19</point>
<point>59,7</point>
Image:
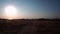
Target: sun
<point>10,12</point>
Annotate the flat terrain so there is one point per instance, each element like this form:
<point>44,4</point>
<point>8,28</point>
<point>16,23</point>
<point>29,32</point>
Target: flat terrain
<point>29,26</point>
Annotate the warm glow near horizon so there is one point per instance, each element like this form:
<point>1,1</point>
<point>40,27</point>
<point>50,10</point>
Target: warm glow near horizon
<point>10,12</point>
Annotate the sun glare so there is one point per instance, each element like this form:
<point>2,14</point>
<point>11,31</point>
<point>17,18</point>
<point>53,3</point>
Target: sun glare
<point>10,12</point>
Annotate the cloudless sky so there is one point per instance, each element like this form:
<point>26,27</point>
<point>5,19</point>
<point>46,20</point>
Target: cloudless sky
<point>34,8</point>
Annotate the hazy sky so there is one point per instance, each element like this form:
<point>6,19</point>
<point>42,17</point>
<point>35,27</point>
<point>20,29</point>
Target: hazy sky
<point>33,8</point>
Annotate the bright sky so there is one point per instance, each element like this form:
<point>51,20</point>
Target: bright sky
<point>33,8</point>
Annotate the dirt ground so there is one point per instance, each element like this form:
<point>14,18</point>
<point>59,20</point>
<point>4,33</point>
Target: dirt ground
<point>29,26</point>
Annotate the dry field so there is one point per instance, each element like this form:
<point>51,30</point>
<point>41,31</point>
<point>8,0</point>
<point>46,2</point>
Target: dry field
<point>29,26</point>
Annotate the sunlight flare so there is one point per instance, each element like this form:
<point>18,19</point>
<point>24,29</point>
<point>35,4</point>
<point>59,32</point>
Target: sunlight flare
<point>10,12</point>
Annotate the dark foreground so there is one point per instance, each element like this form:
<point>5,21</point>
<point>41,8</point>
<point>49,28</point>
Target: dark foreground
<point>29,26</point>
